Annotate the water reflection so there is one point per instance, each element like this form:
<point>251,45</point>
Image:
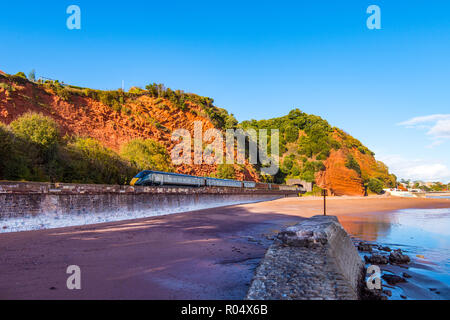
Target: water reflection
<point>423,234</point>
<point>369,226</point>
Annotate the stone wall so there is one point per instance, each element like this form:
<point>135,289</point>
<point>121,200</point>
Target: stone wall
<point>306,186</point>
<point>18,199</point>
<point>314,259</point>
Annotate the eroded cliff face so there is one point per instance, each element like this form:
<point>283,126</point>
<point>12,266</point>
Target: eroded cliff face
<point>144,117</point>
<point>339,179</point>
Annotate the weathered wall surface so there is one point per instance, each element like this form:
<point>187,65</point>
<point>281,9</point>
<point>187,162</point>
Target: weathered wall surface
<point>314,259</point>
<point>18,199</point>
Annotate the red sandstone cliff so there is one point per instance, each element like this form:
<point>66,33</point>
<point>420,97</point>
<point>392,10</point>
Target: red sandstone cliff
<point>338,178</point>
<point>146,117</point>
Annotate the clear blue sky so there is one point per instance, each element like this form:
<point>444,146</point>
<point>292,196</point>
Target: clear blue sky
<point>260,59</point>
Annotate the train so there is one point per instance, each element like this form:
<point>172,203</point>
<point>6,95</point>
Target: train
<point>159,178</point>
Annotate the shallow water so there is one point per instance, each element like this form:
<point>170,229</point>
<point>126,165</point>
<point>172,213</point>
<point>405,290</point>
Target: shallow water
<point>423,234</point>
<point>439,197</point>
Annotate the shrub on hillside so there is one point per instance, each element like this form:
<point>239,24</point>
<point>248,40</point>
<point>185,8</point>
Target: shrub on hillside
<point>291,134</point>
<point>136,90</point>
<point>287,164</point>
<point>351,163</point>
<point>16,156</point>
<point>7,87</point>
<point>147,155</point>
<point>375,185</point>
<point>307,176</point>
<point>62,92</point>
<point>21,74</point>
<point>218,116</point>
<point>88,161</point>
<point>225,171</point>
<point>295,171</point>
<point>37,129</point>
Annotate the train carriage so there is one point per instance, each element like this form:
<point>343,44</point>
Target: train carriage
<point>155,178</point>
<point>214,182</point>
<point>249,184</point>
<point>149,178</point>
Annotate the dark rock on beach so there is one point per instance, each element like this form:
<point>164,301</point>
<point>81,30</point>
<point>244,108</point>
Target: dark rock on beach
<point>397,257</point>
<point>376,259</point>
<point>387,292</point>
<point>387,249</point>
<point>406,275</point>
<point>393,279</point>
<point>366,247</point>
<point>374,294</point>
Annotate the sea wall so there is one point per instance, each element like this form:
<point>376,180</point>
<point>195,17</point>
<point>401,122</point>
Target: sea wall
<point>56,200</point>
<point>314,259</point>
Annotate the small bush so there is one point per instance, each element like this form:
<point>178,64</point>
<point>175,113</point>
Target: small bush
<point>37,129</point>
<point>19,159</point>
<point>88,161</point>
<point>225,171</point>
<point>308,176</point>
<point>291,134</point>
<point>351,163</point>
<point>287,164</point>
<point>375,185</point>
<point>20,74</point>
<point>147,155</point>
<point>7,87</point>
<point>136,90</point>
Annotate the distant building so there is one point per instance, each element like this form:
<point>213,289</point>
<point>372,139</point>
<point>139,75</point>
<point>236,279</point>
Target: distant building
<point>306,186</point>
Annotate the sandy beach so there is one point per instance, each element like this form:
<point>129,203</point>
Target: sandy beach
<point>205,254</point>
<point>340,206</point>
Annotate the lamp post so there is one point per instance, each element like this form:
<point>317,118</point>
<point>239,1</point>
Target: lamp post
<point>324,193</point>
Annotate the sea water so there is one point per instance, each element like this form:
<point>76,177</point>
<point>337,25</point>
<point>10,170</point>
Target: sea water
<point>422,234</point>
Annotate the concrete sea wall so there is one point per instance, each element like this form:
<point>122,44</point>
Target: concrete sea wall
<point>28,205</point>
<point>314,259</point>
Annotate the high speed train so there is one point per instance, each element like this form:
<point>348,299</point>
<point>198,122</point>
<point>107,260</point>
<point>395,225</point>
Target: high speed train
<point>155,178</point>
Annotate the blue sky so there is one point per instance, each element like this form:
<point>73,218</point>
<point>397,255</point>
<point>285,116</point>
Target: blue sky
<point>260,59</point>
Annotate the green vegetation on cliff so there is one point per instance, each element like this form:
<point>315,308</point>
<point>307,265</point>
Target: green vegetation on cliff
<point>33,150</point>
<point>305,141</point>
<point>145,154</point>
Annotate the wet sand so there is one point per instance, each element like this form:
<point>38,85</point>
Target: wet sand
<point>206,254</point>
